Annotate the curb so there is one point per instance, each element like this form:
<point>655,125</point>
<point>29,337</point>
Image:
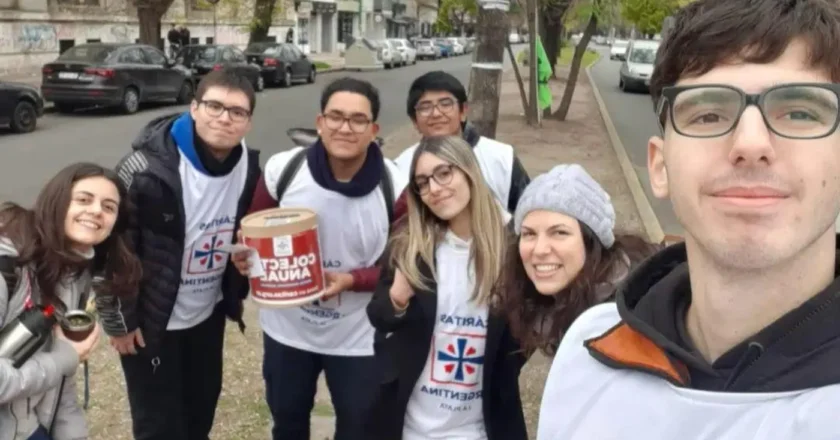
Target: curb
<point>649,221</point>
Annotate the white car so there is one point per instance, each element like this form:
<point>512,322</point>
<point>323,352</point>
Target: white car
<point>427,49</point>
<point>457,47</point>
<point>513,38</point>
<point>636,70</point>
<point>409,53</point>
<point>390,55</point>
<point>618,50</point>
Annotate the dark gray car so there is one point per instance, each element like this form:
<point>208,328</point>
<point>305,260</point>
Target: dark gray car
<point>114,75</point>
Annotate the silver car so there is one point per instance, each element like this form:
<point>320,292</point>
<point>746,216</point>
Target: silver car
<point>427,49</point>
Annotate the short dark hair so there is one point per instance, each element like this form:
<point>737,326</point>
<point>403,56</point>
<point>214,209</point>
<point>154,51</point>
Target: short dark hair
<point>706,33</point>
<point>228,79</point>
<point>353,85</point>
<point>435,81</point>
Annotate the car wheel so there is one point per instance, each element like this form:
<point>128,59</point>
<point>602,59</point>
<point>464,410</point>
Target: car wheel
<point>622,85</point>
<point>131,101</point>
<point>312,74</point>
<point>24,117</point>
<point>287,78</point>
<point>260,85</point>
<point>185,95</point>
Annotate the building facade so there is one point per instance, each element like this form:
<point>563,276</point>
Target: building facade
<point>35,32</point>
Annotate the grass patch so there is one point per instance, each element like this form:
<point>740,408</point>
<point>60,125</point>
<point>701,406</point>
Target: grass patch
<point>320,65</point>
<point>567,53</point>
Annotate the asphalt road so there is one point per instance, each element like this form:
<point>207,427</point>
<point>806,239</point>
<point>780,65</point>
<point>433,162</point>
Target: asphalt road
<point>27,161</point>
<point>634,120</point>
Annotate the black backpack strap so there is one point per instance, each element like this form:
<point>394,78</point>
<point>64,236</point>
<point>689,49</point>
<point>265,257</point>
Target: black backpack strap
<point>388,192</point>
<point>9,271</point>
<point>289,173</point>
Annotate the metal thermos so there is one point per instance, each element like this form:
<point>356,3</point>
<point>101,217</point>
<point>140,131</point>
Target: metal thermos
<point>22,337</point>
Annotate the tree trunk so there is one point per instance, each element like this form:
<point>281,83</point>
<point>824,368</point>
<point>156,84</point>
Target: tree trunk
<point>533,29</point>
<point>552,40</point>
<point>263,16</point>
<point>574,71</point>
<point>486,75</point>
<point>149,13</point>
<point>519,80</point>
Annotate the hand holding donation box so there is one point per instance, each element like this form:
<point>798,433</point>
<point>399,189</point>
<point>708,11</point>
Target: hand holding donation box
<point>284,256</point>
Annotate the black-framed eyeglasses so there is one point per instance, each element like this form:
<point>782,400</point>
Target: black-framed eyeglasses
<point>445,106</point>
<point>358,123</point>
<point>793,110</point>
<point>442,174</point>
<point>214,109</point>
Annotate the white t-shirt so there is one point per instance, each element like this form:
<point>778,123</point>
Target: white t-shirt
<point>585,400</point>
<point>494,158</point>
<point>352,232</point>
<point>210,205</point>
<point>446,401</point>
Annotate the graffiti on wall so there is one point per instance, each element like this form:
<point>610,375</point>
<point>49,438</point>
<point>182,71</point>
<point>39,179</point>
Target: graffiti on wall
<point>120,33</point>
<point>37,38</point>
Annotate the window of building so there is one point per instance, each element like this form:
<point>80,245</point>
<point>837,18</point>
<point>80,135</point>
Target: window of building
<point>63,45</point>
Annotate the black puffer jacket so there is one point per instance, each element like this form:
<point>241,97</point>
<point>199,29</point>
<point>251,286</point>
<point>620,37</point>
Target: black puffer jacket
<point>157,234</point>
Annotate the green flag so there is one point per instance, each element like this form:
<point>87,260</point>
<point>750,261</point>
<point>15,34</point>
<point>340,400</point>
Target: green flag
<point>543,74</point>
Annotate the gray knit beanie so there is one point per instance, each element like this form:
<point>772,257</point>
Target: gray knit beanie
<point>570,190</point>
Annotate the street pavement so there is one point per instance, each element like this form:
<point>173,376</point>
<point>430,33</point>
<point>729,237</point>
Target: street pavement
<point>634,120</point>
<point>27,161</point>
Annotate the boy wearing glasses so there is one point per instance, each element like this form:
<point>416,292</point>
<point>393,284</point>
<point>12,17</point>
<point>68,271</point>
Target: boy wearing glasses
<point>345,179</point>
<point>190,180</point>
<point>734,333</point>
<point>437,105</point>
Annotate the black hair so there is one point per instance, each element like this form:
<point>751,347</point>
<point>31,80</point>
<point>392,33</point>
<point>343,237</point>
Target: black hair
<point>228,79</point>
<point>435,81</point>
<point>353,85</point>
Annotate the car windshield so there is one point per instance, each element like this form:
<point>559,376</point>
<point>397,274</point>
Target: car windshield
<point>643,56</point>
<point>95,54</point>
<point>620,44</point>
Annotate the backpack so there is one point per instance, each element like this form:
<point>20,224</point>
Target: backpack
<point>297,160</point>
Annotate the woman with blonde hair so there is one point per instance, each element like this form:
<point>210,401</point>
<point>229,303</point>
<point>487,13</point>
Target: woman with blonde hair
<point>449,367</point>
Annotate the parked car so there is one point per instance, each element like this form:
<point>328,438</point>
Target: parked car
<point>205,58</point>
<point>115,75</point>
<point>281,63</point>
<point>514,38</point>
<point>427,49</point>
<point>457,47</point>
<point>618,50</point>
<point>407,50</point>
<point>20,106</point>
<point>446,49</point>
<point>391,56</point>
<point>635,72</point>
